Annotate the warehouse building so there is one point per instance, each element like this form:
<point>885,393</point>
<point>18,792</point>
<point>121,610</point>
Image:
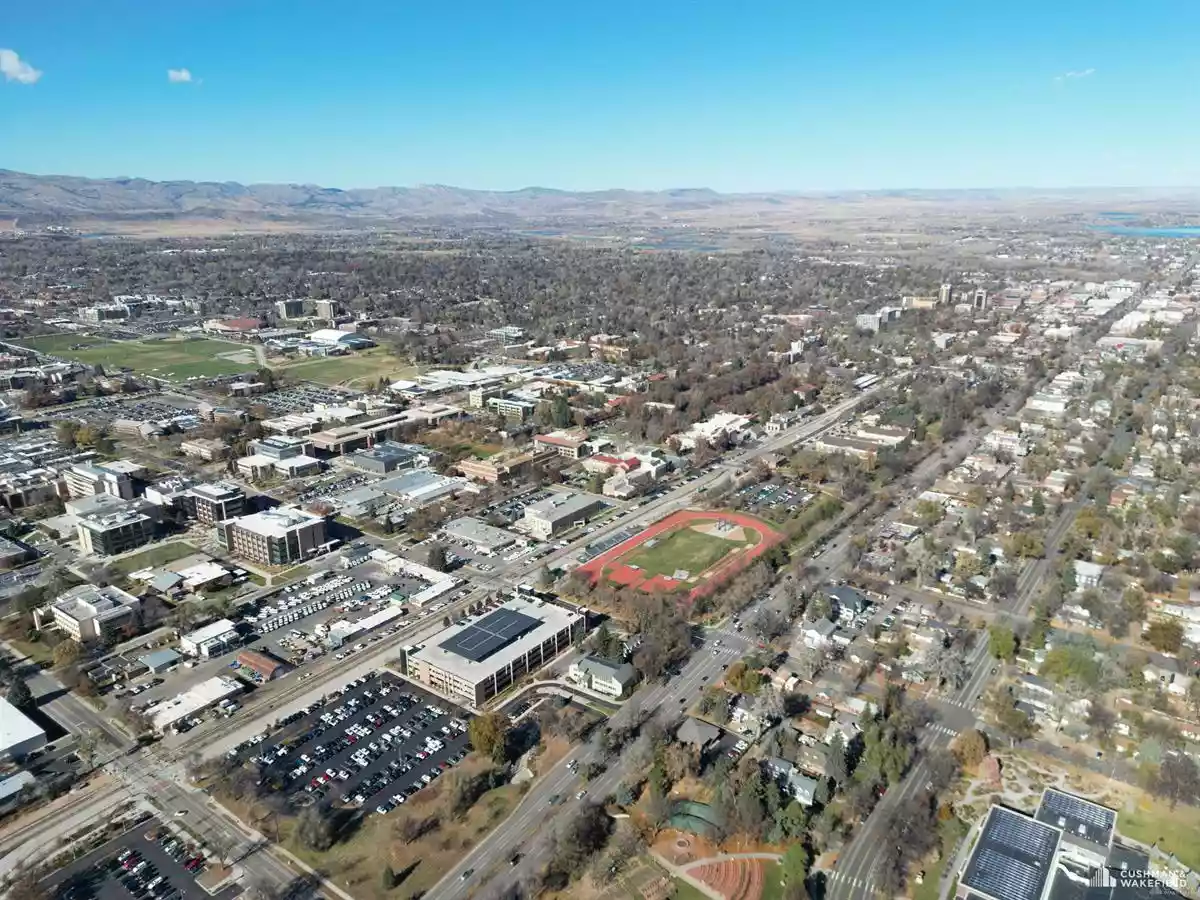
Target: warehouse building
<point>170,714</point>
<point>267,667</point>
<point>483,537</point>
<point>475,660</point>
<point>276,537</point>
<point>19,734</point>
<point>560,511</point>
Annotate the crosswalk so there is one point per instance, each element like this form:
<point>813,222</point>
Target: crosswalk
<point>942,729</point>
<point>961,704</point>
<point>841,878</point>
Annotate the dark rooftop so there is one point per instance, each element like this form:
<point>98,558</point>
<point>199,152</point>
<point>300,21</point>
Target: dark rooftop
<point>1013,857</point>
<point>1080,819</point>
<point>493,632</point>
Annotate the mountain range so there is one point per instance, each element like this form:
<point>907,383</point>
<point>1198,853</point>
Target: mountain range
<point>31,200</point>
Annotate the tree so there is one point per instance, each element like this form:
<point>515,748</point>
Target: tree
<point>768,704</point>
<point>836,765</point>
<point>20,696</point>
<point>1165,635</point>
<point>1177,780</point>
<point>1002,642</point>
<point>66,654</point>
<point>436,557</point>
<point>969,747</point>
<point>1038,503</point>
<point>488,734</point>
<point>65,432</point>
<point>314,828</point>
<point>794,865</point>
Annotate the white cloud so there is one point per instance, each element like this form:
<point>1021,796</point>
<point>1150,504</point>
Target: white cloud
<point>1081,73</point>
<point>179,76</point>
<point>16,69</point>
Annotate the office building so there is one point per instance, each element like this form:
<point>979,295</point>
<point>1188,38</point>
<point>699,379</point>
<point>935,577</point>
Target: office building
<point>206,449</point>
<point>391,456</point>
<point>276,537</point>
<point>945,294</point>
<point>981,299</point>
<point>88,614</point>
<point>485,538</point>
<point>88,479</point>
<point>504,466</point>
<point>19,734</point>
<point>571,444</point>
<point>211,640</point>
<point>473,661</point>
<point>214,503</point>
<point>560,511</point>
<point>108,533</point>
<point>290,309</point>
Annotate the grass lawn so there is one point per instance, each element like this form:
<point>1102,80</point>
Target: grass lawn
<point>158,555</point>
<point>684,891</point>
<point>172,358</point>
<point>367,366</point>
<point>1174,830</point>
<point>683,548</point>
<point>772,881</point>
<point>355,864</point>
<point>929,890</point>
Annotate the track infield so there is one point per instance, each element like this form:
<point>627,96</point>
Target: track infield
<point>690,550</point>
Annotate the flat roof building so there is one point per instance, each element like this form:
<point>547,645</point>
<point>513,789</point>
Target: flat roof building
<point>19,734</point>
<point>389,456</point>
<point>485,538</point>
<point>276,537</point>
<point>217,502</point>
<point>89,614</point>
<point>475,660</point>
<point>571,444</point>
<point>171,713</point>
<point>560,511</point>
<point>211,640</point>
<point>116,531</point>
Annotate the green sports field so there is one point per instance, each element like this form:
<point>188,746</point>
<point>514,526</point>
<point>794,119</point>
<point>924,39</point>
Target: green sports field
<point>172,358</point>
<point>681,549</point>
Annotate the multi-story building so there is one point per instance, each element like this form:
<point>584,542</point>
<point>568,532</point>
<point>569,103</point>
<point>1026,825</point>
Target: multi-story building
<point>473,661</point>
<point>276,537</point>
<point>503,466</point>
<point>115,478</point>
<point>560,511</point>
<point>217,502</point>
<point>109,532</point>
<point>945,294</point>
<point>207,449</point>
<point>291,309</point>
<point>512,408</point>
<point>88,614</point>
<point>571,444</point>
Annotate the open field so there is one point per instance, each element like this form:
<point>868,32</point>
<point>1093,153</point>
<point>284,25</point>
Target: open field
<point>1175,830</point>
<point>171,358</point>
<point>158,555</point>
<point>703,548</point>
<point>367,367</point>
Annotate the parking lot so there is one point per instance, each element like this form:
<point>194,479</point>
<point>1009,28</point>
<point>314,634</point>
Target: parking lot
<point>303,397</point>
<point>372,745</point>
<point>149,862</point>
<point>774,500</point>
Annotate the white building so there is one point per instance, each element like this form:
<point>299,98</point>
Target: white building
<point>19,734</point>
<point>211,640</point>
<point>720,426</point>
<point>170,713</point>
<point>88,614</point>
<point>603,676</point>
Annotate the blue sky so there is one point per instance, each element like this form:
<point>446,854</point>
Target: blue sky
<point>799,95</point>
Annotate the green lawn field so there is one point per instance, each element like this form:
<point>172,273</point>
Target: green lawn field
<point>170,358</point>
<point>367,366</point>
<point>681,549</point>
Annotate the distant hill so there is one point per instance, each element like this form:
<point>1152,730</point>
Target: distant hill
<point>63,199</point>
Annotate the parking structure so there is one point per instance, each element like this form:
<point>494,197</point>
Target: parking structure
<point>373,745</point>
<point>149,862</point>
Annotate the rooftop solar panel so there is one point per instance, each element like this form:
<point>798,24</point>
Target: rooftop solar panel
<point>481,639</point>
<point>1079,818</point>
<point>1012,858</point>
